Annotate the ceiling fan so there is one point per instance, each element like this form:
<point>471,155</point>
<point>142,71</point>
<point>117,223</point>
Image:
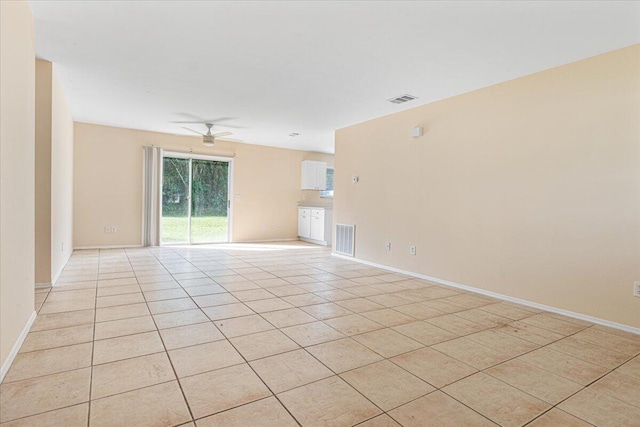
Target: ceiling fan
<point>192,118</point>
<point>209,138</point>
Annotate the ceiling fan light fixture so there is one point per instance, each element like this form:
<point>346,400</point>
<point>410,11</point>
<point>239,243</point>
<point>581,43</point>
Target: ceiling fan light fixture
<point>208,140</point>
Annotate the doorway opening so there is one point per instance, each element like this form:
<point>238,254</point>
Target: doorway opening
<point>196,207</point>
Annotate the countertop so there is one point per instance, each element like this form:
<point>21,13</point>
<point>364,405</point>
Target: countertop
<point>305,204</point>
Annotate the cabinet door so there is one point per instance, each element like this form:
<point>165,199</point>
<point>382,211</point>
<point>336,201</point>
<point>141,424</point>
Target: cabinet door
<point>313,179</point>
<point>304,222</point>
<point>309,175</point>
<point>317,227</point>
<point>314,175</point>
<point>321,176</point>
<point>305,176</point>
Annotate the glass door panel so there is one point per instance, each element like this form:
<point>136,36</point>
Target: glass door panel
<point>175,200</point>
<point>209,201</point>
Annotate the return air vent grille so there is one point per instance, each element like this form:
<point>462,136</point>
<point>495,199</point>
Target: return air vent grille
<point>345,239</point>
<point>402,99</point>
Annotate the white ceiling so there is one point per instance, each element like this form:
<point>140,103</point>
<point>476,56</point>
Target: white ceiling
<point>306,67</point>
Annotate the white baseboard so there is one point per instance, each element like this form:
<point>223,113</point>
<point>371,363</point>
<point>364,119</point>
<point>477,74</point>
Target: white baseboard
<point>106,247</point>
<point>55,276</point>
<point>293,239</point>
<point>16,346</point>
<point>314,241</point>
<point>551,309</point>
<point>59,272</point>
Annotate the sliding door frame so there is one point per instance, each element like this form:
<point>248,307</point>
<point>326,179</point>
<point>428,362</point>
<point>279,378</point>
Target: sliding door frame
<point>191,157</point>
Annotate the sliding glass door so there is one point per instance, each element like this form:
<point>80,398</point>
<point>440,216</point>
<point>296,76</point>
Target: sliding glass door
<point>175,200</point>
<point>209,201</point>
<point>195,200</point>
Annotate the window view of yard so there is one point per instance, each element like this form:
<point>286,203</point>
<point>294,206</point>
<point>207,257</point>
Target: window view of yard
<point>209,206</point>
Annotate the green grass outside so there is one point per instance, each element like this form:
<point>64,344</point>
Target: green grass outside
<point>204,229</point>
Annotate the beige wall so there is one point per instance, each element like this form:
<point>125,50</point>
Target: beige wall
<point>529,188</point>
<point>17,158</point>
<point>61,178</point>
<point>53,175</point>
<point>108,184</point>
<point>43,172</point>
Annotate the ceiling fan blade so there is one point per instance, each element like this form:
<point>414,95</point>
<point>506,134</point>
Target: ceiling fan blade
<point>188,122</point>
<point>227,126</point>
<point>221,119</point>
<point>205,122</point>
<point>194,131</point>
<point>192,117</point>
<point>219,134</point>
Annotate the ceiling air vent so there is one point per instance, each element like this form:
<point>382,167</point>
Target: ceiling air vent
<point>402,99</point>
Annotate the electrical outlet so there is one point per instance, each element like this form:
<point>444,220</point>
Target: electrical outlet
<point>636,289</point>
<point>114,229</point>
<point>387,246</point>
<point>107,229</point>
<point>412,249</point>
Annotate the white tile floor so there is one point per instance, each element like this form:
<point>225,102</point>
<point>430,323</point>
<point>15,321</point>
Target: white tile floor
<point>286,335</point>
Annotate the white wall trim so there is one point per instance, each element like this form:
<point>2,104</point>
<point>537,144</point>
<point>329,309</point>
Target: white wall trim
<point>56,276</point>
<point>289,239</point>
<point>314,241</point>
<point>106,247</point>
<point>551,309</point>
<point>59,272</point>
<point>16,346</point>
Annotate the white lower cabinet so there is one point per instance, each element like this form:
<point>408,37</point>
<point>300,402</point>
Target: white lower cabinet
<point>304,222</point>
<point>314,225</point>
<point>317,224</point>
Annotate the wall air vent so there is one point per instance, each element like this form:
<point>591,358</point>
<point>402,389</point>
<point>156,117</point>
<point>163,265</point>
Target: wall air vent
<point>402,99</point>
<point>345,239</point>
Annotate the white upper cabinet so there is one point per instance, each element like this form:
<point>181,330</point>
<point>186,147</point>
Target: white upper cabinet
<point>314,175</point>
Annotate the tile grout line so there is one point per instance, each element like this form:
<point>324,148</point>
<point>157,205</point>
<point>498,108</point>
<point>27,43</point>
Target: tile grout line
<point>257,375</point>
<point>95,310</point>
<point>250,367</point>
<point>166,352</point>
<point>388,327</point>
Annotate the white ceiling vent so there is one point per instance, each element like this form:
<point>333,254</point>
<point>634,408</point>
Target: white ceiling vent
<point>402,99</point>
